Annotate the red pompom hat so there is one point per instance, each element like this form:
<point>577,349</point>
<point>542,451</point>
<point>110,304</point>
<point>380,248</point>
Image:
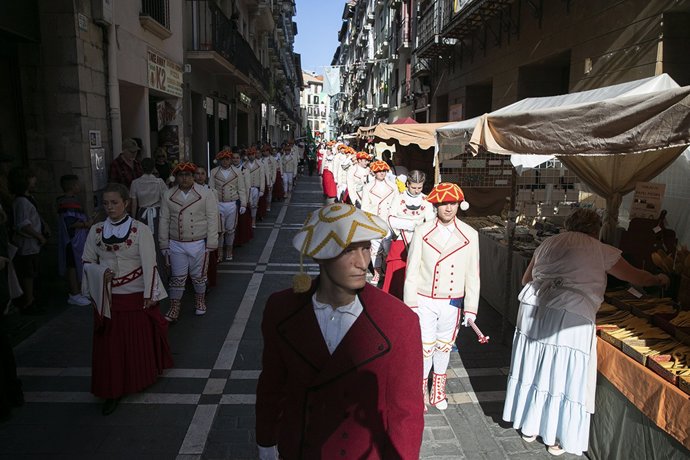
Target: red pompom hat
<point>446,192</point>
<point>184,167</point>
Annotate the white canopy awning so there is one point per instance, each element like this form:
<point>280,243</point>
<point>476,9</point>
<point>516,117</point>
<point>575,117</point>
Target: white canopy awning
<point>593,132</point>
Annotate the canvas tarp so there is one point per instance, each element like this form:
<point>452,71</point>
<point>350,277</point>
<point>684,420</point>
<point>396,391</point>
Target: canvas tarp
<point>595,133</point>
<point>420,134</point>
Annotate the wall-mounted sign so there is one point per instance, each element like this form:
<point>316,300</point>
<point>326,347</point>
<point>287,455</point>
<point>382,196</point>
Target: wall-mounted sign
<point>244,99</point>
<point>164,74</point>
<point>222,111</point>
<point>647,200</point>
<point>455,112</point>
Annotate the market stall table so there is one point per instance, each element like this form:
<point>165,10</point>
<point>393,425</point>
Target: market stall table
<point>638,414</point>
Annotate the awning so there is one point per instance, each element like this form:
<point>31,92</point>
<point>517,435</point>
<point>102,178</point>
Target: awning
<point>595,133</point>
<point>420,134</point>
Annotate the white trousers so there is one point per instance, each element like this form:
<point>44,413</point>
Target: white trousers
<point>379,250</point>
<point>228,221</point>
<point>254,200</point>
<point>287,181</point>
<point>439,322</point>
<point>187,258</point>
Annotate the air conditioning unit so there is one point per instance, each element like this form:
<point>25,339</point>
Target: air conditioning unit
<point>369,107</point>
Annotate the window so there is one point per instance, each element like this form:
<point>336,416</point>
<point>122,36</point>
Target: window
<point>159,10</point>
<point>316,100</point>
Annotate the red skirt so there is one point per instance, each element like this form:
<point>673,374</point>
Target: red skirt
<point>244,231</point>
<point>130,350</point>
<point>396,262</point>
<point>263,205</point>
<point>278,192</point>
<point>329,187</point>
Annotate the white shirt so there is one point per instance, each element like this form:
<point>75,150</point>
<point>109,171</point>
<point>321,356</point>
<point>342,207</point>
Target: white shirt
<point>334,324</point>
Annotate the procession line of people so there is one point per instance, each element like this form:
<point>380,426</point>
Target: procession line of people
<point>154,233</point>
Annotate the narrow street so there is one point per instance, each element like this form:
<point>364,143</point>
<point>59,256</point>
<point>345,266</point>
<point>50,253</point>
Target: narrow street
<point>204,407</point>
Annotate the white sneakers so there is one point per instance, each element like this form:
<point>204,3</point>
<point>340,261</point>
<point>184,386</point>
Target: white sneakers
<point>78,299</point>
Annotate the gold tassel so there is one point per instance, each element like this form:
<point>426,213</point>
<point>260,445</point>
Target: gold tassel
<point>301,282</point>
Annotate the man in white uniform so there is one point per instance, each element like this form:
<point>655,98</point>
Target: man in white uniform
<point>289,163</point>
<point>268,163</point>
<point>188,231</point>
<point>378,197</point>
<point>256,181</point>
<point>442,278</point>
<point>228,182</point>
<point>357,176</point>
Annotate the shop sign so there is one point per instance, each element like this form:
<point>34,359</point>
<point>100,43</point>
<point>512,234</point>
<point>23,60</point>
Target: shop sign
<point>222,111</point>
<point>647,200</point>
<point>246,100</point>
<point>164,74</point>
<point>455,112</point>
<point>208,105</point>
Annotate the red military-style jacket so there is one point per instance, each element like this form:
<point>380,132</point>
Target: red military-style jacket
<point>362,402</point>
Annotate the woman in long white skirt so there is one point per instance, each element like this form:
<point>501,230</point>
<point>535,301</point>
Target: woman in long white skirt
<point>553,366</point>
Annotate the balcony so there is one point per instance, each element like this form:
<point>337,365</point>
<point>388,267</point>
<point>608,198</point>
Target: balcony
<point>430,41</point>
<point>467,16</point>
<point>218,48</point>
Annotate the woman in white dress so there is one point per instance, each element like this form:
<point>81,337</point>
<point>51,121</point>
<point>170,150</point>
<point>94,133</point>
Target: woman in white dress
<point>553,365</point>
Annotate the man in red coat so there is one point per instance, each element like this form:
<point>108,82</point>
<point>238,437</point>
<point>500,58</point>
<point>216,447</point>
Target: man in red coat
<point>341,359</point>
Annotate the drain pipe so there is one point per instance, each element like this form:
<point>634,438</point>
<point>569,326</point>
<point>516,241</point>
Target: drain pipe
<point>114,92</point>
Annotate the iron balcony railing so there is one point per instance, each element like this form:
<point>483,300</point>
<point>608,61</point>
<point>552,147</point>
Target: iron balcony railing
<point>432,21</point>
<point>159,10</point>
<point>213,31</point>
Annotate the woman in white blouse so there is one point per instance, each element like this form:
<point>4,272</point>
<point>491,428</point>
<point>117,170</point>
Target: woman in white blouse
<point>130,344</point>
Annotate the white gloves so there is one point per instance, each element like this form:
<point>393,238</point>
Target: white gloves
<point>469,315</point>
<point>268,453</point>
<point>243,209</point>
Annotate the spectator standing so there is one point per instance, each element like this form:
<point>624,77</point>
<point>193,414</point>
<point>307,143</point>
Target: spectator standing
<point>442,279</point>
<point>162,165</point>
<point>30,234</point>
<point>11,394</point>
<point>146,194</point>
<point>130,343</point>
<point>553,368</point>
<point>73,228</point>
<point>340,356</point>
<point>188,231</point>
<point>125,168</point>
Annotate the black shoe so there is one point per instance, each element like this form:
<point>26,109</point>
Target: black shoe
<point>31,310</point>
<point>110,405</point>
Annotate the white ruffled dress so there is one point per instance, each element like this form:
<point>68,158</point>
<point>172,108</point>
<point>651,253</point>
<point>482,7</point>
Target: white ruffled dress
<point>553,366</point>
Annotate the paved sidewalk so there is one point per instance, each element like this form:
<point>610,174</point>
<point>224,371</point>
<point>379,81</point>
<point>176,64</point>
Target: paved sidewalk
<point>204,407</point>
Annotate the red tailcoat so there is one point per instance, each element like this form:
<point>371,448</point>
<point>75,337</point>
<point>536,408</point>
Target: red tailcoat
<point>362,402</point>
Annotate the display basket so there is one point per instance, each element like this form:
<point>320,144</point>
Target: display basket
<point>653,364</point>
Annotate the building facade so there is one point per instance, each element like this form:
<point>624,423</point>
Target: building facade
<point>456,59</point>
<point>316,106</point>
<point>190,76</point>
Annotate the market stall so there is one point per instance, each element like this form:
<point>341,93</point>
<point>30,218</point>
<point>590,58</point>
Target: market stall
<point>611,139</point>
<point>412,140</point>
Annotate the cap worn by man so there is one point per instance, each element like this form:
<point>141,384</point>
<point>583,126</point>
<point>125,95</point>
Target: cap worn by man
<point>447,192</point>
<point>130,145</point>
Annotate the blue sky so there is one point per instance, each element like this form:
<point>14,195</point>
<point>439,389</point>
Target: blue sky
<point>318,23</point>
